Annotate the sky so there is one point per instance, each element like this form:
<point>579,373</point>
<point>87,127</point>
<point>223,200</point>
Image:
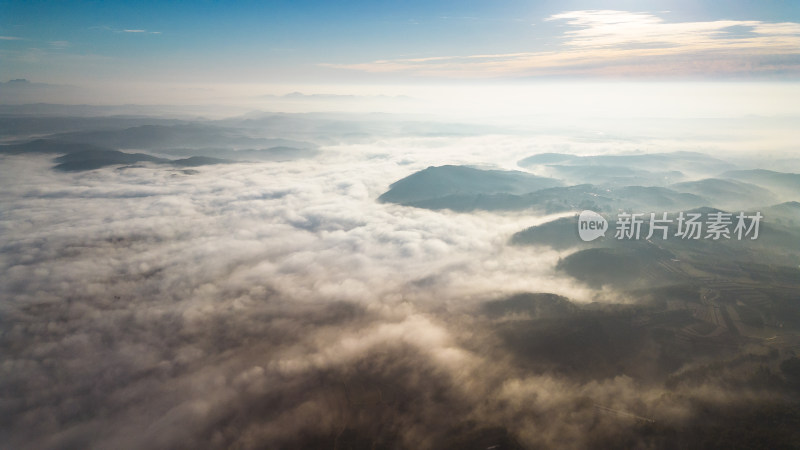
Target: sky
<point>346,47</point>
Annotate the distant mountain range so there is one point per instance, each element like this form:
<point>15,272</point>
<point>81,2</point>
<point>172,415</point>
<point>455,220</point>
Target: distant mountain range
<point>164,137</point>
<point>93,159</point>
<point>776,181</point>
<point>727,193</point>
<point>603,183</point>
<point>674,161</point>
<point>79,157</point>
<point>461,188</point>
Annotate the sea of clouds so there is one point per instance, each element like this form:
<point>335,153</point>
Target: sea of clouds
<point>266,305</point>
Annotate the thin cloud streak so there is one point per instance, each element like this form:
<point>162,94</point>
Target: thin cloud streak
<point>141,31</point>
<point>124,30</point>
<point>618,43</point>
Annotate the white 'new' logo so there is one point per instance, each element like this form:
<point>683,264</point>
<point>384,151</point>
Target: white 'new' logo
<point>591,225</point>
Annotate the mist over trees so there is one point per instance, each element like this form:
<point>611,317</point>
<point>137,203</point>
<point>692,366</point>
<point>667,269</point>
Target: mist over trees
<point>233,284</point>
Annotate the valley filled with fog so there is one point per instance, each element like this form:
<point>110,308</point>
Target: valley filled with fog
<point>392,280</point>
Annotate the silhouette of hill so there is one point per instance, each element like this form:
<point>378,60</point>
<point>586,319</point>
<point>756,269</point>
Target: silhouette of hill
<point>443,181</point>
<point>728,194</point>
<point>613,175</point>
<point>677,161</point>
<point>427,190</point>
<point>559,234</point>
<point>778,181</point>
<point>530,305</point>
<point>638,265</point>
<point>95,159</point>
<point>98,158</point>
<point>183,135</point>
<point>49,146</point>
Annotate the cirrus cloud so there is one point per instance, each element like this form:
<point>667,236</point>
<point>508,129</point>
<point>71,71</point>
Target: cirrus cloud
<point>620,43</point>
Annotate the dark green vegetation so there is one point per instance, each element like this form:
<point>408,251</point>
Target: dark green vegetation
<point>456,184</point>
<point>772,258</point>
<point>426,189</point>
<point>682,339</point>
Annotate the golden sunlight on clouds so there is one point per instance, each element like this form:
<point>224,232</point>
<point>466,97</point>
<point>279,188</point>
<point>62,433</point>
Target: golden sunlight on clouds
<point>619,43</point>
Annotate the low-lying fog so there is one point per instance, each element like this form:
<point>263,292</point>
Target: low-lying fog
<point>276,303</point>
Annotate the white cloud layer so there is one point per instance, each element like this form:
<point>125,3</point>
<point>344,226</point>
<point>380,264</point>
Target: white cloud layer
<point>248,305</point>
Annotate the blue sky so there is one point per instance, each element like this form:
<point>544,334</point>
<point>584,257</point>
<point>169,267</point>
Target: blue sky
<point>315,42</point>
